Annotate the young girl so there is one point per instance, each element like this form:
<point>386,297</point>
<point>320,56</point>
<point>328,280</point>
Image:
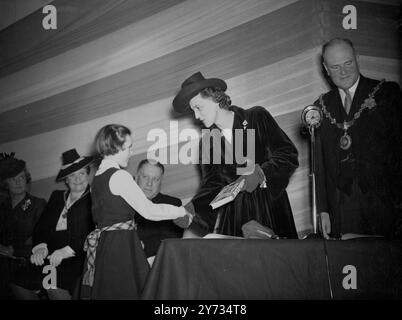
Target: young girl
<point>116,263</point>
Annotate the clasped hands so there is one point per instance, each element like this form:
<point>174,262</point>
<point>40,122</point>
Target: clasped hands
<point>39,254</point>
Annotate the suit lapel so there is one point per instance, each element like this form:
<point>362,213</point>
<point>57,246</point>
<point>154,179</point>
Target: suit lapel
<point>335,105</point>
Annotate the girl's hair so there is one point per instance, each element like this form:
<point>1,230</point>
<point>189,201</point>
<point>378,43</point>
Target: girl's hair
<point>218,96</point>
<point>110,139</point>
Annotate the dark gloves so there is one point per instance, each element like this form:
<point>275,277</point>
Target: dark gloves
<point>198,225</point>
<point>252,181</point>
<point>255,230</point>
<point>184,222</point>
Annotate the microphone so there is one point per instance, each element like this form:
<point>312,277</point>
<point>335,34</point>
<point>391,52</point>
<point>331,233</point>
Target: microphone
<point>311,117</point>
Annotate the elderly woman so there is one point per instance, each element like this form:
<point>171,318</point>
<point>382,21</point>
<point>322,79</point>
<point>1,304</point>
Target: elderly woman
<point>60,233</point>
<point>19,213</point>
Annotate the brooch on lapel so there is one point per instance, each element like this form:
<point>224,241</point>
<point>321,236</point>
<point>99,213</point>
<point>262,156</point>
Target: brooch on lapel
<point>369,103</point>
<point>245,123</point>
<point>26,204</point>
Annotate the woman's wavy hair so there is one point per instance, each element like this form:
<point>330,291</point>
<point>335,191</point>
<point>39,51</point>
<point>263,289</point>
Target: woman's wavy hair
<point>218,96</point>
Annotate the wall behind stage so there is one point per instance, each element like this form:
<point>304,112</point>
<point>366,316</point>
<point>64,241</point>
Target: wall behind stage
<point>123,61</point>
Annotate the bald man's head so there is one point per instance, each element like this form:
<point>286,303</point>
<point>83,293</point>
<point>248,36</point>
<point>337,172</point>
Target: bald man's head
<point>341,62</point>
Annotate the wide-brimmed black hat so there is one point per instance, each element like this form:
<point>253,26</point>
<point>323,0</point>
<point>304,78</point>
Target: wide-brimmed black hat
<point>191,87</point>
<point>72,162</point>
<point>10,166</point>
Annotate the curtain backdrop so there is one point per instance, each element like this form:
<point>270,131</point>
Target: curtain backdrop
<point>123,61</point>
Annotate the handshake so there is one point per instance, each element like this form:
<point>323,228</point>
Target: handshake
<point>191,218</point>
<point>252,181</point>
<point>185,221</point>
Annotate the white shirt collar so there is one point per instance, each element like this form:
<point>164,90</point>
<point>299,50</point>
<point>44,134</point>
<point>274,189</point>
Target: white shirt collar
<point>105,165</point>
<point>352,90</point>
<point>227,133</point>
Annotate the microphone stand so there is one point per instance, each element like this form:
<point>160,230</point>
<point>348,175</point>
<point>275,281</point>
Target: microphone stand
<point>315,217</point>
<point>313,184</point>
<point>309,114</point>
<point>311,118</point>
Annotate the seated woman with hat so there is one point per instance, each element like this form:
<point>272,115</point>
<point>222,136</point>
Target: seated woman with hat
<point>19,213</point>
<point>60,233</point>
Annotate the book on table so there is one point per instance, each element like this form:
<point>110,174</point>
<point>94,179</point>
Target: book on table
<point>227,194</point>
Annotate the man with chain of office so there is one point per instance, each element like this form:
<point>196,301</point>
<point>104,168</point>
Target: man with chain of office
<point>359,149</point>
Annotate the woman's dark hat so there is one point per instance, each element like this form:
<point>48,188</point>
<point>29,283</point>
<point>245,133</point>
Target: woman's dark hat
<point>191,87</point>
<point>10,166</point>
<point>72,162</point>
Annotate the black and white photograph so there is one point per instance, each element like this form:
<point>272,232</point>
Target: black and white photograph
<point>214,152</point>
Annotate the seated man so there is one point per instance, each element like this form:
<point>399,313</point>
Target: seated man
<point>149,178</point>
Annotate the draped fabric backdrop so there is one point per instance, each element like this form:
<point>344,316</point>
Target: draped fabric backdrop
<point>122,61</point>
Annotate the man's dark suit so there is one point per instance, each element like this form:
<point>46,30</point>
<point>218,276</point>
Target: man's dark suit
<point>151,233</point>
<point>361,187</point>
